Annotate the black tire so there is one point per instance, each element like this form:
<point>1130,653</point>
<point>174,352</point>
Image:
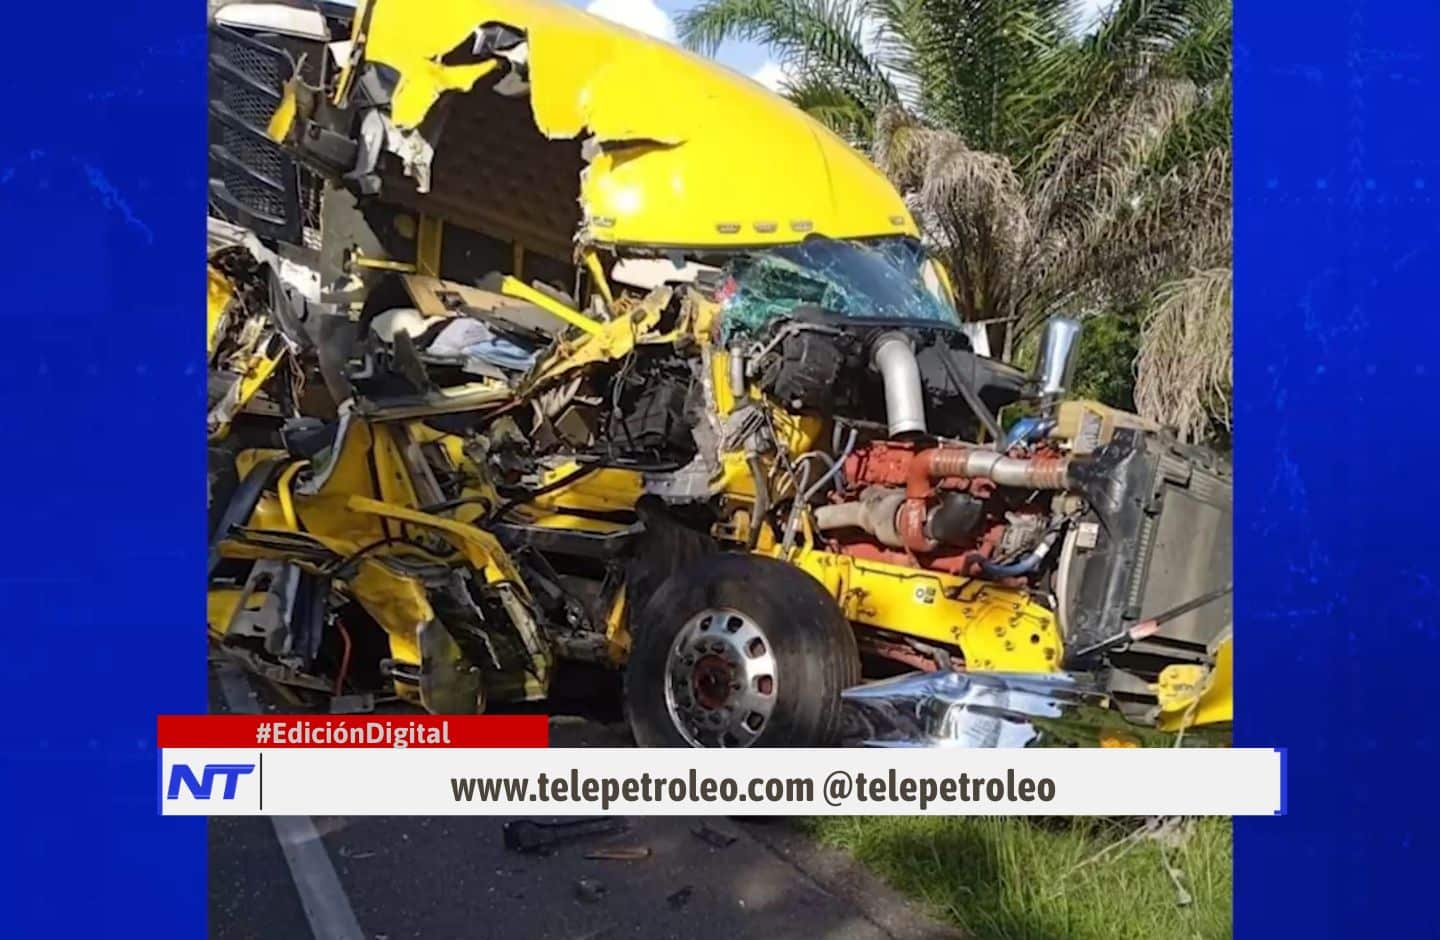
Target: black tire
<point>812,644</point>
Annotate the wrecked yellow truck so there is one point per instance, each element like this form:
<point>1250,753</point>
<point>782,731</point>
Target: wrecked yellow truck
<point>533,339</point>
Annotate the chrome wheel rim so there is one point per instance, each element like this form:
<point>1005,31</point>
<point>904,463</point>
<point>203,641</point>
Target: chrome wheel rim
<point>720,680</point>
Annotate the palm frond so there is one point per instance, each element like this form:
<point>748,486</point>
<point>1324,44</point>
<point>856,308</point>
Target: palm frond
<point>896,30</point>
<point>832,104</point>
<point>970,203</point>
<point>824,37</point>
<point>1136,44</point>
<point>1204,53</point>
<point>1094,187</point>
<point>1184,374</point>
<point>1183,220</point>
<point>987,68</point>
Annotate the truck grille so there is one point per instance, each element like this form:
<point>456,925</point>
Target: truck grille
<point>253,182</point>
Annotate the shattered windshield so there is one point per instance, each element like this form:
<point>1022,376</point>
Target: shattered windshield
<point>879,279</point>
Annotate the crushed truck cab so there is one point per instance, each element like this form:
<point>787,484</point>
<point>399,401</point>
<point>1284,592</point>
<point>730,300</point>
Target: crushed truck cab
<point>534,339</point>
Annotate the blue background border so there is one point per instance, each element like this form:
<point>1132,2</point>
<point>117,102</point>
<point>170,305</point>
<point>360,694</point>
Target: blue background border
<point>102,400</point>
<point>101,388</point>
<point>1337,173</point>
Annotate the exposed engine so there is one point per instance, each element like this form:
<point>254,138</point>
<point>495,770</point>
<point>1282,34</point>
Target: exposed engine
<point>942,507</point>
<point>1077,504</point>
<point>902,494</point>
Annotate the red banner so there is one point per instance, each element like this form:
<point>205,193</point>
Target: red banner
<point>389,731</point>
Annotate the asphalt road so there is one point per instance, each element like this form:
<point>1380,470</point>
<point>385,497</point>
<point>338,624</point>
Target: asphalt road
<point>406,877</point>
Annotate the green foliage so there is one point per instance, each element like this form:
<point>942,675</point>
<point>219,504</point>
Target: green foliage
<point>1105,369</point>
<point>985,70</point>
<point>1104,365</point>
<point>1050,878</point>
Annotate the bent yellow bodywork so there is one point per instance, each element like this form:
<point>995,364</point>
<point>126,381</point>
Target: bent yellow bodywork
<point>219,291</point>
<point>997,628</point>
<point>513,287</point>
<point>1197,695</point>
<point>284,117</point>
<point>711,158</point>
<point>351,505</point>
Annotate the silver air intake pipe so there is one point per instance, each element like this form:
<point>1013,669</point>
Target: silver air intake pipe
<point>894,356</point>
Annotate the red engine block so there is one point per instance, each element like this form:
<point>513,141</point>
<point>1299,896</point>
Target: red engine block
<point>880,463</point>
<point>892,464</point>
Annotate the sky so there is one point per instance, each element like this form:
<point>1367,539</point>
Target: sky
<point>657,17</point>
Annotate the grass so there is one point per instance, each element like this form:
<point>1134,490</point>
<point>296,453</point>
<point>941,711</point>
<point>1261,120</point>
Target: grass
<point>1039,878</point>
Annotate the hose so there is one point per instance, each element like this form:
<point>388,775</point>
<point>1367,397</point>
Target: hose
<point>344,660</point>
<point>1037,473</point>
<point>816,455</point>
<point>835,467</point>
<point>991,571</point>
<point>1062,579</point>
<point>976,403</point>
<point>552,486</point>
<point>874,513</point>
<point>843,516</point>
<point>1028,429</point>
<point>802,481</point>
<point>804,490</point>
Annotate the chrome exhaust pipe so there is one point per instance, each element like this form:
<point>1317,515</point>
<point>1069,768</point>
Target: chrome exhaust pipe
<point>1055,363</point>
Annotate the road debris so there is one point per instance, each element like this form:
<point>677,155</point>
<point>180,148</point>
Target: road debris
<point>590,891</point>
<point>720,840</point>
<point>680,898</point>
<point>346,852</point>
<point>619,853</point>
<point>532,838</point>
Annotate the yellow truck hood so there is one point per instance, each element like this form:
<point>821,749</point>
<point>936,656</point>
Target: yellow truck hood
<point>683,152</point>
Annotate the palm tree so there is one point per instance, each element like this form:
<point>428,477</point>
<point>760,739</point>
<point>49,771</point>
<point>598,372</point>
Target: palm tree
<point>1050,170</point>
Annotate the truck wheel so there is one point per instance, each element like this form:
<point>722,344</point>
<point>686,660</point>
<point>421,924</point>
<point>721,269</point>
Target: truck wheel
<point>739,651</point>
